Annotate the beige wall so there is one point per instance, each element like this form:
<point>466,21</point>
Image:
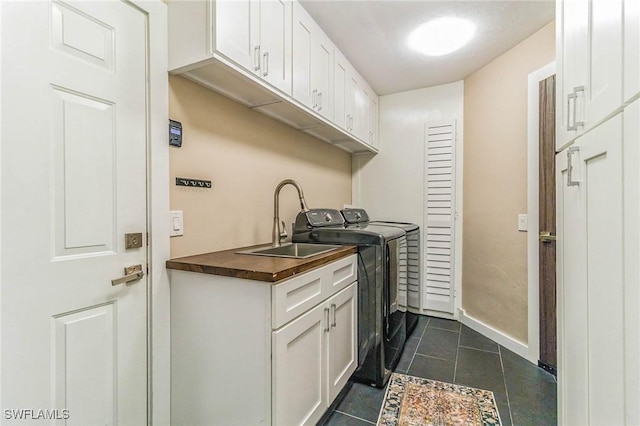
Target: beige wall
<point>494,272</point>
<point>245,154</point>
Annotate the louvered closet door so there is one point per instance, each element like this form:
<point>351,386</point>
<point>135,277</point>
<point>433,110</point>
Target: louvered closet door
<point>439,216</point>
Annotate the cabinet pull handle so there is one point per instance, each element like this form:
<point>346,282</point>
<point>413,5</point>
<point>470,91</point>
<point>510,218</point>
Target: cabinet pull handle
<point>579,91</point>
<point>319,101</point>
<point>570,181</point>
<point>314,98</point>
<point>570,127</point>
<point>266,64</point>
<point>326,317</point>
<point>333,309</point>
<point>256,58</point>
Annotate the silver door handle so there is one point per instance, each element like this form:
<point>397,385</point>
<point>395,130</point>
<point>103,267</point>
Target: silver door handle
<point>319,101</point>
<point>570,181</point>
<point>333,309</point>
<point>572,97</point>
<point>326,317</point>
<point>132,273</point>
<point>265,57</point>
<point>578,90</point>
<point>256,58</point>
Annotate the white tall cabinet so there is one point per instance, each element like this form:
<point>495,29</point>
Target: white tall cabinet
<point>598,212</point>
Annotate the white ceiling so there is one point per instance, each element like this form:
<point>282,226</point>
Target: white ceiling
<point>372,35</point>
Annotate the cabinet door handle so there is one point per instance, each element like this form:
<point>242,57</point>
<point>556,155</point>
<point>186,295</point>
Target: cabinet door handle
<point>314,98</point>
<point>319,101</point>
<point>570,98</point>
<point>579,92</point>
<point>266,64</point>
<point>333,309</point>
<point>256,58</point>
<point>326,317</point>
<point>570,181</point>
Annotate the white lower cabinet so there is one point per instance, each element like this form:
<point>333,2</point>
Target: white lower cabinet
<point>313,357</point>
<point>598,295</point>
<point>247,352</point>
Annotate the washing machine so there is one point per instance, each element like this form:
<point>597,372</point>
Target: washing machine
<point>382,329</point>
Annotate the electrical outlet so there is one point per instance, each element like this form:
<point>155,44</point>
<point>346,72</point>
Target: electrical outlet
<point>523,222</point>
<point>177,224</point>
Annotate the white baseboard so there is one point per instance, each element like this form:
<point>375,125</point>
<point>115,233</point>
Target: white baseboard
<point>497,336</point>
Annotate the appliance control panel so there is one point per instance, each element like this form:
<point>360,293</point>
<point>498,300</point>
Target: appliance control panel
<point>324,217</point>
<point>355,215</point>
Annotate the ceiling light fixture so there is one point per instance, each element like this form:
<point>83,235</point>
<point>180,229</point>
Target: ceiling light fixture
<point>441,36</point>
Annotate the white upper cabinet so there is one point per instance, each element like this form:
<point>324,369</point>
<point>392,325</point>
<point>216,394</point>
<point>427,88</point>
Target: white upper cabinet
<point>253,34</point>
<point>271,56</point>
<point>240,43</point>
<point>373,120</point>
<point>340,89</point>
<point>631,49</point>
<point>274,48</point>
<point>356,99</point>
<point>590,61</point>
<point>312,64</point>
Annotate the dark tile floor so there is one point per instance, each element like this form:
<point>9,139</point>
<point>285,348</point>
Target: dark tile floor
<point>451,352</point>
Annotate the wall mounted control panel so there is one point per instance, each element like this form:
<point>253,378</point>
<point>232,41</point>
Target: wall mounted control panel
<point>175,133</point>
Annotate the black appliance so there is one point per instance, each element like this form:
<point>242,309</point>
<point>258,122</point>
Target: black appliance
<point>413,270</point>
<point>382,329</point>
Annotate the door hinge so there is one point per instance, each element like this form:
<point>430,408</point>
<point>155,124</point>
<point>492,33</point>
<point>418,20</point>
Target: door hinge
<point>147,239</point>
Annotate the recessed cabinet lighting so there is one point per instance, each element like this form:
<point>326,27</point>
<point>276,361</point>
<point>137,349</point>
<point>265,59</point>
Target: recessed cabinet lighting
<point>441,36</point>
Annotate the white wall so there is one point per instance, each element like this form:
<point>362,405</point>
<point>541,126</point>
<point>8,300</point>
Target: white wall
<point>390,184</point>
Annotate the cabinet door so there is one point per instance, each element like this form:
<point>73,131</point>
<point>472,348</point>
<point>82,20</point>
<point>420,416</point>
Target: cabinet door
<point>237,31</point>
<point>312,63</point>
<point>373,120</point>
<point>352,98</point>
<point>572,49</point>
<point>590,63</point>
<point>275,43</point>
<point>340,89</point>
<point>301,59</point>
<point>362,112</point>
<point>321,72</point>
<point>631,48</point>
<point>343,339</point>
<point>631,255</point>
<point>604,91</point>
<point>299,369</point>
<point>590,293</point>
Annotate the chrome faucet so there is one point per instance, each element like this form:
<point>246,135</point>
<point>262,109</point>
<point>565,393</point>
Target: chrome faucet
<point>281,233</point>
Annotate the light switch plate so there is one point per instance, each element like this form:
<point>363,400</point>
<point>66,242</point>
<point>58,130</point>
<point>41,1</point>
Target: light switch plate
<point>523,222</point>
<point>176,227</point>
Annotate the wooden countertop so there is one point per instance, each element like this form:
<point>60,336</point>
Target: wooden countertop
<point>250,267</point>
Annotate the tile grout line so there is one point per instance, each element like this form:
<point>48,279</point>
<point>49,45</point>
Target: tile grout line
<point>355,417</point>
<point>432,357</point>
<point>477,349</point>
<point>455,367</point>
<point>419,341</point>
<point>506,391</point>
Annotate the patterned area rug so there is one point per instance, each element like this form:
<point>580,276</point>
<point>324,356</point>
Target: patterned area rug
<point>414,401</point>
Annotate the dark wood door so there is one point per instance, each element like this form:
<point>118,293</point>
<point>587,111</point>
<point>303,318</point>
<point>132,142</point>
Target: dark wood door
<point>547,220</point>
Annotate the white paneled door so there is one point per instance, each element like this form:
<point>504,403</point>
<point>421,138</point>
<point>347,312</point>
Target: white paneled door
<point>74,140</point>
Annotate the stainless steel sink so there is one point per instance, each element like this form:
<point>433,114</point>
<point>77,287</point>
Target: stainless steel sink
<point>295,250</point>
